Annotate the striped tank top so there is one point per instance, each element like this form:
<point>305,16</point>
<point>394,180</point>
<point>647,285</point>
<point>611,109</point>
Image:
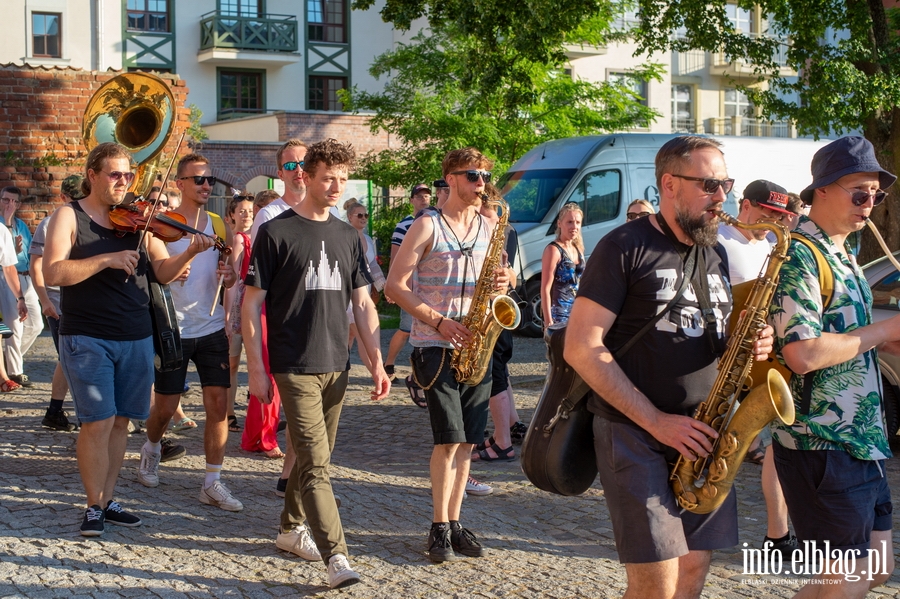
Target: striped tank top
<point>438,278</point>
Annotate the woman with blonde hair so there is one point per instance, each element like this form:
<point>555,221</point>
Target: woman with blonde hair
<point>561,266</point>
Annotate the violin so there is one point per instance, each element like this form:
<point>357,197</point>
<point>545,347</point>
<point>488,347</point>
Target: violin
<point>168,227</point>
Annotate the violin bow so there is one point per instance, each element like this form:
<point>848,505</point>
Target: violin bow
<point>159,197</point>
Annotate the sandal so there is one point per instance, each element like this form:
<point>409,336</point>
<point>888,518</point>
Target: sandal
<point>484,444</point>
<point>7,386</point>
<point>755,456</point>
<point>274,454</point>
<point>503,455</point>
<point>416,394</point>
<point>233,425</point>
<point>517,432</point>
<point>184,424</point>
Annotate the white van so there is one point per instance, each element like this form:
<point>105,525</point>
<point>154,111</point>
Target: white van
<point>605,173</point>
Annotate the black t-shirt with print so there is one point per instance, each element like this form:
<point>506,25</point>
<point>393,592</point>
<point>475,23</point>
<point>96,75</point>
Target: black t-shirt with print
<point>634,272</point>
<point>308,270</point>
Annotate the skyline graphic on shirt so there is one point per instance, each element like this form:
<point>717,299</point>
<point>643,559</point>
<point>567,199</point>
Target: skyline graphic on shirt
<point>322,277</point>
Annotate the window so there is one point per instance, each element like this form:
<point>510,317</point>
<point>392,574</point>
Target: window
<point>325,21</point>
<point>683,109</point>
<point>148,15</point>
<point>886,292</point>
<point>736,104</point>
<point>741,18</point>
<point>631,83</point>
<point>598,195</point>
<point>323,93</point>
<point>241,8</point>
<point>240,92</point>
<point>46,35</point>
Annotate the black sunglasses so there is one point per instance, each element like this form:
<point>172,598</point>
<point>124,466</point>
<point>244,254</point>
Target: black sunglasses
<point>636,215</point>
<point>199,179</point>
<point>292,166</point>
<point>859,197</point>
<point>472,176</point>
<point>710,185</point>
<point>362,215</point>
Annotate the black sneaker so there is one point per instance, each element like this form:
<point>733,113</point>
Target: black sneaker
<point>783,546</point>
<point>92,525</point>
<point>281,487</point>
<point>57,421</point>
<point>282,424</point>
<point>464,542</point>
<point>114,514</point>
<point>22,379</point>
<point>439,547</point>
<point>517,432</point>
<point>170,451</point>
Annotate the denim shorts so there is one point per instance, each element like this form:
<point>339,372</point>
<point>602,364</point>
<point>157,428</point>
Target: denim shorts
<point>458,412</point>
<point>209,354</point>
<point>405,321</point>
<point>108,378</point>
<point>833,496</point>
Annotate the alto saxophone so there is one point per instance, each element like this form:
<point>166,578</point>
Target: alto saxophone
<point>486,318</point>
<point>701,485</point>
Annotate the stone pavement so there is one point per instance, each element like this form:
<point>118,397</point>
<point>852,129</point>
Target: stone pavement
<point>541,545</point>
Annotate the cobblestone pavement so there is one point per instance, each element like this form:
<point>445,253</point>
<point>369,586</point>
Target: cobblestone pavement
<point>541,545</point>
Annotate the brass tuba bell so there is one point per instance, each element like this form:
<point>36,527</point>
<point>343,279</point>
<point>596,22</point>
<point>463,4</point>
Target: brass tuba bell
<point>136,111</point>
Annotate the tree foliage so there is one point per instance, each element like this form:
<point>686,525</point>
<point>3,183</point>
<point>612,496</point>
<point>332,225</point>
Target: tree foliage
<point>843,58</point>
<point>452,86</point>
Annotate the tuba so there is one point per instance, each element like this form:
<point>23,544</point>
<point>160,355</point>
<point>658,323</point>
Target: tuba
<point>136,111</point>
<point>486,318</point>
<point>701,485</point>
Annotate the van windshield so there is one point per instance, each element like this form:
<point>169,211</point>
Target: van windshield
<point>530,194</point>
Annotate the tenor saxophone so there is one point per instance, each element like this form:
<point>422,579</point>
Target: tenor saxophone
<point>701,485</point>
<point>486,317</point>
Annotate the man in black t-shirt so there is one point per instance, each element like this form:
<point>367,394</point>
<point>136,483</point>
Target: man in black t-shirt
<point>307,266</point>
<point>643,420</point>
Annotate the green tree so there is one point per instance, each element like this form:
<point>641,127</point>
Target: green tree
<point>843,58</point>
<point>452,88</point>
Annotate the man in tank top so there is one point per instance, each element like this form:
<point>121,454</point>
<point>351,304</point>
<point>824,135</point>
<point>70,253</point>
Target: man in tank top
<point>433,278</point>
<point>105,343</point>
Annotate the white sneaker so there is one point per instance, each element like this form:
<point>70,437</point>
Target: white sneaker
<point>473,487</point>
<point>148,473</point>
<point>339,572</point>
<point>217,494</point>
<point>299,542</point>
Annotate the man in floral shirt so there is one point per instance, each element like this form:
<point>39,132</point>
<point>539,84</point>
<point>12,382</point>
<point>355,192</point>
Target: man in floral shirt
<point>831,461</point>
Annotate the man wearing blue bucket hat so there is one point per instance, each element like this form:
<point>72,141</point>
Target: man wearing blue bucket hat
<point>831,460</point>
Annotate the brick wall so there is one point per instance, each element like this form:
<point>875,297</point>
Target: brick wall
<point>41,111</point>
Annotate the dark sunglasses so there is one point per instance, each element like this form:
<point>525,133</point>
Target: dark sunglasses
<point>636,215</point>
<point>710,185</point>
<point>859,197</point>
<point>199,179</point>
<point>472,176</point>
<point>116,175</point>
<point>362,215</point>
<point>292,166</point>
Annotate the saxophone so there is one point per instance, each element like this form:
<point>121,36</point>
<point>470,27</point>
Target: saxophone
<point>486,318</point>
<point>701,485</point>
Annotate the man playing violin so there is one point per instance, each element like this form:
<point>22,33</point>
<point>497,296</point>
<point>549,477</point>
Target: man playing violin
<point>106,354</point>
<point>203,341</point>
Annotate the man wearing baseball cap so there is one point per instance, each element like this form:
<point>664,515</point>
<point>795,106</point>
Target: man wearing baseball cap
<point>831,460</point>
<point>441,193</point>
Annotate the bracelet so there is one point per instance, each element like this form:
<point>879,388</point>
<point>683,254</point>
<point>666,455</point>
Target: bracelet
<point>438,326</point>
<point>21,298</point>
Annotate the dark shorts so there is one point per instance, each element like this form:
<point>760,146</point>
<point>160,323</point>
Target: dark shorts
<point>503,351</point>
<point>648,524</point>
<point>209,354</point>
<point>53,323</point>
<point>832,496</point>
<point>458,412</point>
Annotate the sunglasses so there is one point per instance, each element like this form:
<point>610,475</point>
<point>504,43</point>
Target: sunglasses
<point>362,215</point>
<point>292,166</point>
<point>636,215</point>
<point>710,185</point>
<point>116,175</point>
<point>859,197</point>
<point>472,176</point>
<point>199,179</point>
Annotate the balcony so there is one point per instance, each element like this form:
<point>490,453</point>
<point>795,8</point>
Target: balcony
<point>749,127</point>
<point>265,41</point>
<point>685,126</point>
<point>576,51</point>
<point>743,68</point>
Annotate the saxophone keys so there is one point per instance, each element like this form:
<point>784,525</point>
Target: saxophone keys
<point>718,470</point>
<point>728,444</point>
<point>709,491</point>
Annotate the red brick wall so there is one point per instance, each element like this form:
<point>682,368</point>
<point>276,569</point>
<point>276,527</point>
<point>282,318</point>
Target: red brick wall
<point>40,124</point>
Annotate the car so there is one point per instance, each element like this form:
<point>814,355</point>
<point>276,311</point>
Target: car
<point>884,279</point>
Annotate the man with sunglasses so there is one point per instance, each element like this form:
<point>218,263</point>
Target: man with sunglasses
<point>203,340</point>
<point>645,398</point>
<point>289,165</point>
<point>831,460</point>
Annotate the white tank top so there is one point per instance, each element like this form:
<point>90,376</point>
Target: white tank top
<point>194,299</point>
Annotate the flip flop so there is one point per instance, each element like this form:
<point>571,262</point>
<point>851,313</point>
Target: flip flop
<point>416,394</point>
<point>185,424</point>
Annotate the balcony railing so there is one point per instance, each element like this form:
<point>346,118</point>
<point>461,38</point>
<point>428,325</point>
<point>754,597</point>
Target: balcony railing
<point>269,33</point>
<point>742,65</point>
<point>749,127</point>
<point>684,126</point>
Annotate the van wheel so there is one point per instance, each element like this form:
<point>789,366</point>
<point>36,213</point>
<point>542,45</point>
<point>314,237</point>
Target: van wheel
<point>532,319</point>
<point>891,408</point>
